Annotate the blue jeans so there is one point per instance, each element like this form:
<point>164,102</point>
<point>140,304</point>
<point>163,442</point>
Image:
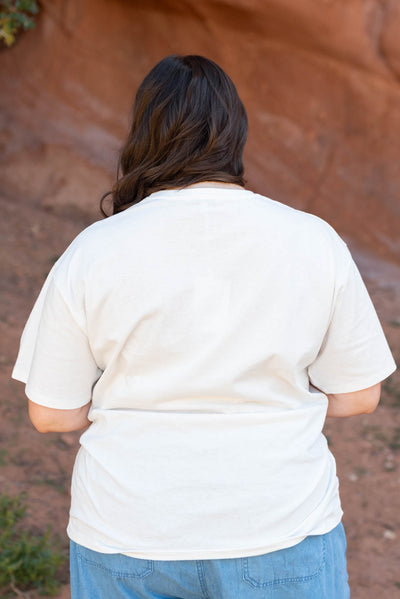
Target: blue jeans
<point>313,569</point>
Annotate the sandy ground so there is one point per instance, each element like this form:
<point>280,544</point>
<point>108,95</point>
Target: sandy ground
<point>366,448</point>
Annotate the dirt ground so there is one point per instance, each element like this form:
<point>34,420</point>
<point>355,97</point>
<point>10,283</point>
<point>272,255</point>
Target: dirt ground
<point>366,448</point>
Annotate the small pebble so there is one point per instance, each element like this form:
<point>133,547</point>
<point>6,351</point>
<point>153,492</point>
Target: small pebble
<point>389,465</point>
<point>389,534</point>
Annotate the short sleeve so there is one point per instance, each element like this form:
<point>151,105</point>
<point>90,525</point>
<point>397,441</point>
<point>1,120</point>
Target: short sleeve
<point>54,359</point>
<point>354,354</point>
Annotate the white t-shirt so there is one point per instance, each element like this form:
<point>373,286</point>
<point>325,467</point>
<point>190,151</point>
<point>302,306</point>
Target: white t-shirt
<point>196,320</point>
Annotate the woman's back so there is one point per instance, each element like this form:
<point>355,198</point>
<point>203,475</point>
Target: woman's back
<point>204,311</point>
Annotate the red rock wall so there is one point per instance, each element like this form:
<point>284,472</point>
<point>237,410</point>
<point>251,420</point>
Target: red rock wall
<point>320,80</point>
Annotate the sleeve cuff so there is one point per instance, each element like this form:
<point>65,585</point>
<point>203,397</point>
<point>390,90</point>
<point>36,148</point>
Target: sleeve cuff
<point>356,384</point>
<point>52,402</point>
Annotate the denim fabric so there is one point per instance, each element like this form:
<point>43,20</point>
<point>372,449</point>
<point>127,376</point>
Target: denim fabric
<point>313,569</point>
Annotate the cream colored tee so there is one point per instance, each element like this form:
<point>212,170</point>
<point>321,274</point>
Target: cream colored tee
<point>197,321</point>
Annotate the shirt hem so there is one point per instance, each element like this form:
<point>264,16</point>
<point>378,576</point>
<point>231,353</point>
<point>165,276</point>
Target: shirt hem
<point>89,543</point>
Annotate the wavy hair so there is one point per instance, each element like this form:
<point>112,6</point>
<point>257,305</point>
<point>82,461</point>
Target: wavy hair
<point>189,125</point>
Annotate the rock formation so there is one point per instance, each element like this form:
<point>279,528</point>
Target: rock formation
<point>320,80</point>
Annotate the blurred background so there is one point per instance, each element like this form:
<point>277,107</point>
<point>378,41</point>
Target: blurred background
<point>320,80</point>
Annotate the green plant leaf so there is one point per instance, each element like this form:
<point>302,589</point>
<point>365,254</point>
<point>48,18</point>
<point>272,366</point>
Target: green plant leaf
<point>27,5</point>
<point>26,559</point>
<point>13,18</point>
<point>7,31</point>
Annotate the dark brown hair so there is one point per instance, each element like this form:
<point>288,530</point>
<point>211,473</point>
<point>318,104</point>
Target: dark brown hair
<point>189,125</point>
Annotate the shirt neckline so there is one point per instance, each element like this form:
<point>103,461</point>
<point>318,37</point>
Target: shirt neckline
<point>208,191</point>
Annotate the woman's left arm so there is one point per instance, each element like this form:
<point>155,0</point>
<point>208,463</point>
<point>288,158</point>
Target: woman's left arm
<point>47,420</point>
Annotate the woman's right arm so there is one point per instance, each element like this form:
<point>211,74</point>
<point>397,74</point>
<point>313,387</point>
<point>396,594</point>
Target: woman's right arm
<point>354,403</point>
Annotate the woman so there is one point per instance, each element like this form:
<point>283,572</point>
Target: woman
<point>200,335</point>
